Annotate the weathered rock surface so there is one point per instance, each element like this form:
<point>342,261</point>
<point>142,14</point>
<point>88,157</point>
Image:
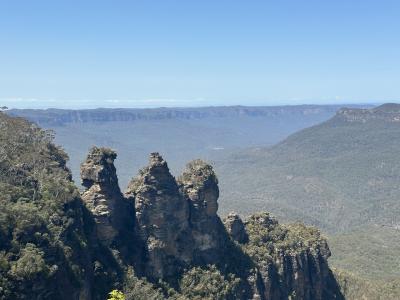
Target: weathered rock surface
<point>199,186</point>
<point>177,220</point>
<point>292,260</point>
<point>236,229</point>
<point>102,196</point>
<point>162,216</point>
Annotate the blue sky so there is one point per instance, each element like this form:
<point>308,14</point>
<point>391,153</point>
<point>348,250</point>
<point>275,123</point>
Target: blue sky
<point>190,53</point>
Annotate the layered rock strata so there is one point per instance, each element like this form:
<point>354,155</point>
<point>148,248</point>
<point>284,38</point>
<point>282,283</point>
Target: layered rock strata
<point>102,195</point>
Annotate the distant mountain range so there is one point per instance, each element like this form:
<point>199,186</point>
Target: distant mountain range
<point>60,117</point>
<point>180,134</point>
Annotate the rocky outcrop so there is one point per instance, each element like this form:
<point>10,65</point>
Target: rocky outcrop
<point>178,227</point>
<point>162,216</point>
<point>291,259</point>
<point>236,229</point>
<point>102,195</point>
<point>178,223</point>
<point>199,186</point>
<point>177,220</point>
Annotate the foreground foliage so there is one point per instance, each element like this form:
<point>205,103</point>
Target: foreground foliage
<point>41,229</point>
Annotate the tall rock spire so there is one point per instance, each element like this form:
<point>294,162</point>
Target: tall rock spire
<point>102,195</point>
<point>162,216</point>
<point>199,185</point>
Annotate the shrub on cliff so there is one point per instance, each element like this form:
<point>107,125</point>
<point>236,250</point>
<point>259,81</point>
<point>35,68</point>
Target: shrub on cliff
<point>208,283</point>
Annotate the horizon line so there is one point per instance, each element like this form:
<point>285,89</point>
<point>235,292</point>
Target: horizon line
<point>204,106</point>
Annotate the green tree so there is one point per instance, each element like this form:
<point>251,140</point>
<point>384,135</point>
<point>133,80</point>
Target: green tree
<point>30,264</point>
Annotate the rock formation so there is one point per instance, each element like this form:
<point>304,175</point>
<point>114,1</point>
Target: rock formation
<point>102,196</point>
<point>178,227</point>
<point>291,259</point>
<point>199,186</point>
<point>236,229</point>
<point>178,223</point>
<point>162,216</point>
<point>177,220</point>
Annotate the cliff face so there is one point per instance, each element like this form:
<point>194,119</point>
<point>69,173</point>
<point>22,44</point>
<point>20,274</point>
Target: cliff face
<point>292,260</point>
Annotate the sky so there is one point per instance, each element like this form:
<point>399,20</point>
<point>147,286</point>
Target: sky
<point>75,54</point>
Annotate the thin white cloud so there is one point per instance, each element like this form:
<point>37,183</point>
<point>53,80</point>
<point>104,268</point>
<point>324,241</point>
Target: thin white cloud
<point>19,102</point>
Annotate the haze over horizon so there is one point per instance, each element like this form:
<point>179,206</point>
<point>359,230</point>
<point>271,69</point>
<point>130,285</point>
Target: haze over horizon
<point>73,54</point>
<point>157,103</point>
